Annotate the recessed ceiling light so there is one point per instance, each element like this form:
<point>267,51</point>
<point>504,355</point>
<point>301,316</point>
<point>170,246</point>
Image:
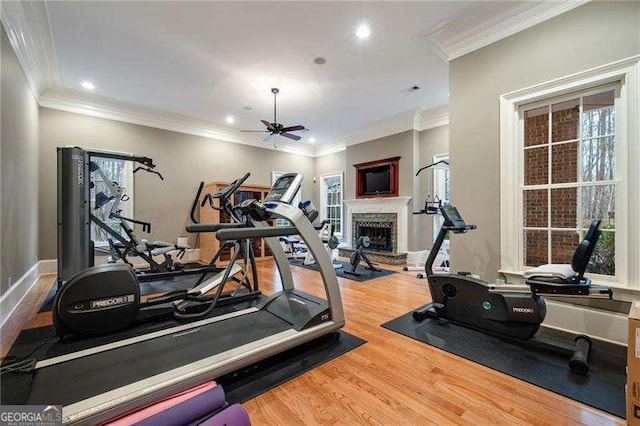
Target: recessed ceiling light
<point>247,108</point>
<point>88,85</point>
<point>312,139</point>
<point>363,31</point>
<point>230,119</point>
<point>319,60</point>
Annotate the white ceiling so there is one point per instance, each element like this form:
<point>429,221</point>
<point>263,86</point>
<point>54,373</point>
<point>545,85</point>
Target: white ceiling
<point>210,59</point>
<point>185,66</point>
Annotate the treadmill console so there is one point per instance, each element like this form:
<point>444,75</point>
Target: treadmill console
<point>285,188</point>
<point>452,217</point>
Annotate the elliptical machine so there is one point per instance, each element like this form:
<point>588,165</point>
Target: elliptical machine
<point>106,298</point>
<point>513,311</point>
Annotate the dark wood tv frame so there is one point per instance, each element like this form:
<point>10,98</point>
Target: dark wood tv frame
<point>362,168</point>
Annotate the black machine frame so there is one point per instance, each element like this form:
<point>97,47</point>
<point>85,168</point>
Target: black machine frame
<point>508,310</point>
<point>76,250</point>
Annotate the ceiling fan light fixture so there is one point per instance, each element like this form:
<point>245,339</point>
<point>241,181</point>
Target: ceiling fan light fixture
<point>312,139</point>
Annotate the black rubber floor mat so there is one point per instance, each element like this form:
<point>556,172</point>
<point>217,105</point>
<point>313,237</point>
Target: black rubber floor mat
<point>603,388</point>
<point>245,384</point>
<point>366,274</point>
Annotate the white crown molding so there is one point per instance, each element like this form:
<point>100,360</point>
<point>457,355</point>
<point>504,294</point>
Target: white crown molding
<point>330,149</point>
<point>418,119</point>
<point>96,106</point>
<point>469,32</point>
<point>430,118</point>
<point>390,126</point>
<point>29,32</point>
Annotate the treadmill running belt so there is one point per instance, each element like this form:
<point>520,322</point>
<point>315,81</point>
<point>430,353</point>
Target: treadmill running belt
<point>69,382</point>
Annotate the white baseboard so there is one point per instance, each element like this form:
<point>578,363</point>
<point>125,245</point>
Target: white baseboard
<point>49,266</point>
<point>609,326</point>
<point>15,295</point>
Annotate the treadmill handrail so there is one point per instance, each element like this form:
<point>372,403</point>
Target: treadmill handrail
<point>246,233</point>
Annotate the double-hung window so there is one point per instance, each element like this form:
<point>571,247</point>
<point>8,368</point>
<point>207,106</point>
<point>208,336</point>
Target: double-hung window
<point>331,201</point>
<point>569,153</point>
<point>569,176</point>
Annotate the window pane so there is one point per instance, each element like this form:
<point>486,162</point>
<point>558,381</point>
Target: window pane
<point>603,260</point>
<point>535,248</point>
<point>598,159</point>
<point>536,208</point>
<point>598,115</point>
<point>564,208</point>
<point>565,119</point>
<point>598,202</point>
<point>536,166</point>
<point>536,126</point>
<point>113,170</point>
<point>563,245</point>
<point>564,163</point>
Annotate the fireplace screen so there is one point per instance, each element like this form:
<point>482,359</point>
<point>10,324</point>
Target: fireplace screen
<point>378,232</point>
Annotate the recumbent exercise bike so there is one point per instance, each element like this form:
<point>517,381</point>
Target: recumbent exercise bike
<point>509,310</point>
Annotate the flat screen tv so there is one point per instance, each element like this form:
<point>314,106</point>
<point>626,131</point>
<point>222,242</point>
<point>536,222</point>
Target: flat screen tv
<point>377,180</point>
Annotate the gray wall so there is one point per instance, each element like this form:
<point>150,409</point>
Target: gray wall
<point>591,35</point>
<point>429,143</point>
<point>183,160</point>
<point>401,145</point>
<point>432,142</point>
<point>19,175</point>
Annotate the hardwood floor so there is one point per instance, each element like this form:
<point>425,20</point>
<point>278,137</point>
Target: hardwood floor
<point>392,379</point>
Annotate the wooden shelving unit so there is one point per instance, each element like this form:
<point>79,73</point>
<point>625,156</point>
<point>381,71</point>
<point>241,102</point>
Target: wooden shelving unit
<point>209,245</point>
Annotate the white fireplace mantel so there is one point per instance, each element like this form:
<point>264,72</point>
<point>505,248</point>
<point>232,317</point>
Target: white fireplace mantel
<point>397,205</point>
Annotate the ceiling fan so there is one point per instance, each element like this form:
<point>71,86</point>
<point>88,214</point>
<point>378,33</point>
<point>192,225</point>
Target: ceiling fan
<point>276,128</point>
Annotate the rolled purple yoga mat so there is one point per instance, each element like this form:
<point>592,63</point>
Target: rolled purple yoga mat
<point>189,410</point>
<point>234,415</point>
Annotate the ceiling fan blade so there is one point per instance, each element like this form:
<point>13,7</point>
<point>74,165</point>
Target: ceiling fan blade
<point>291,136</point>
<point>253,131</point>
<point>292,128</point>
<point>268,137</point>
<point>269,126</point>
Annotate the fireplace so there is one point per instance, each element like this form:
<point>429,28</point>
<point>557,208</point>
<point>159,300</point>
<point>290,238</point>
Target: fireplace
<point>379,234</point>
<point>381,228</point>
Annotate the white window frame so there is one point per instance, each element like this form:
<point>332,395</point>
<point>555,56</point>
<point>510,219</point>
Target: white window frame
<point>620,234</point>
<point>626,73</point>
<point>323,200</point>
<point>438,220</point>
<point>128,184</point>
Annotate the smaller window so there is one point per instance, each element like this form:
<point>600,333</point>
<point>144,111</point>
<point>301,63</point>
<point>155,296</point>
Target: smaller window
<point>441,185</point>
<point>120,172</point>
<point>331,201</point>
